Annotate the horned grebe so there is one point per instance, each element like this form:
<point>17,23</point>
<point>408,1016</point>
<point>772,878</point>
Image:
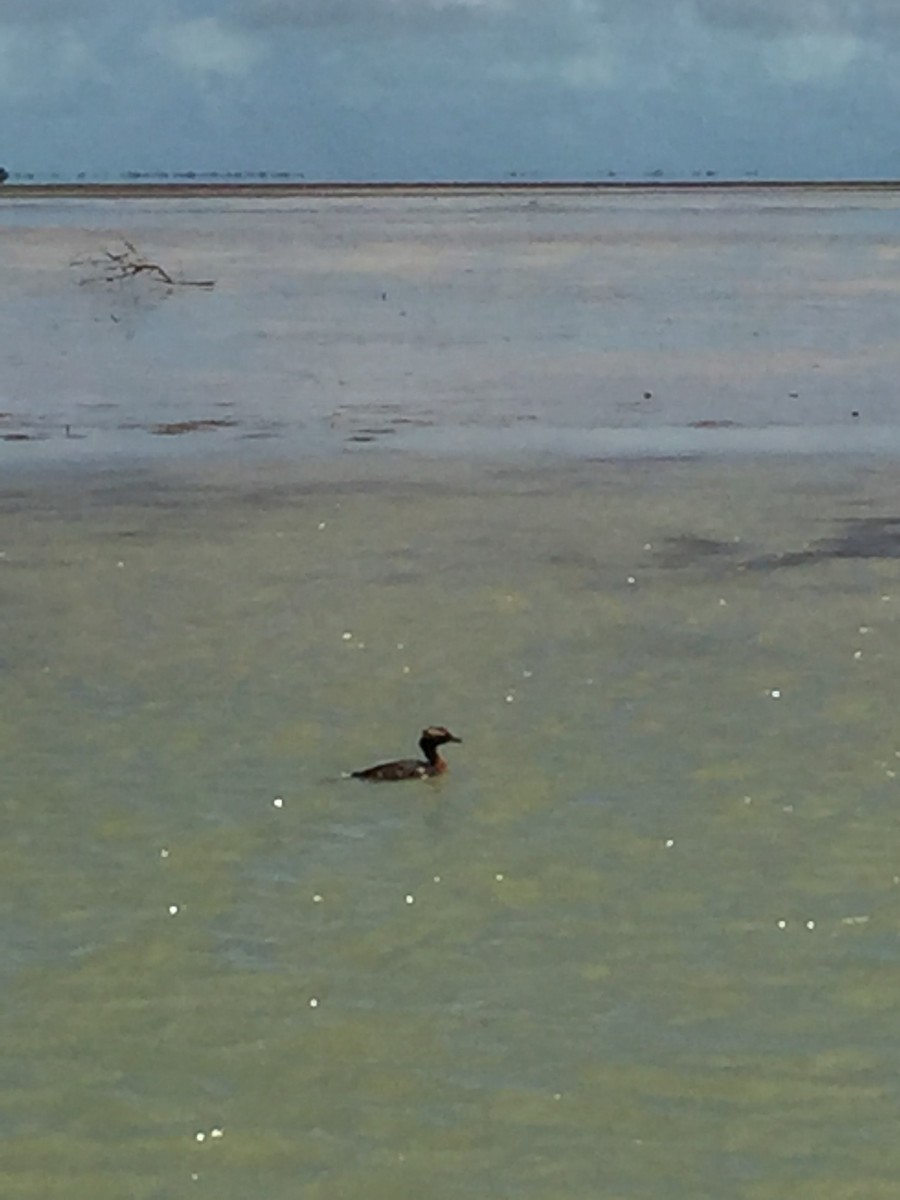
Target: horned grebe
<point>413,768</point>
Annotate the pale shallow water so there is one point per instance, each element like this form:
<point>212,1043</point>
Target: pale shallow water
<point>361,321</point>
<point>652,944</point>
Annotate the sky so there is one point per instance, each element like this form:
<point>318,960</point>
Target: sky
<point>452,89</point>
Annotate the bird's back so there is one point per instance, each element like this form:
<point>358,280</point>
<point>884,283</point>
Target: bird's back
<point>403,768</point>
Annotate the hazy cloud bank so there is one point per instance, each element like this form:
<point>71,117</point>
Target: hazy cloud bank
<point>444,87</point>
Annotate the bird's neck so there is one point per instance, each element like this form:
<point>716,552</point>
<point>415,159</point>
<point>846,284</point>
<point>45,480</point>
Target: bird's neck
<point>432,757</point>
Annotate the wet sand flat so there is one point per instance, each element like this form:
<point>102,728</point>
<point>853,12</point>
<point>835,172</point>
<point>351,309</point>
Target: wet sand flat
<point>648,321</point>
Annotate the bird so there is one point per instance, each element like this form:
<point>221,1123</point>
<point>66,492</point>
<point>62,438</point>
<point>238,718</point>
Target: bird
<point>413,768</point>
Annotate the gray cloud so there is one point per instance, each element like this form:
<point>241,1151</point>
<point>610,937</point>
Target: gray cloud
<point>45,12</point>
<point>764,19</point>
<point>372,15</point>
<point>773,18</point>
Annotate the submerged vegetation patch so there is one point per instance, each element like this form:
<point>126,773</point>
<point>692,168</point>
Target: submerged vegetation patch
<point>861,537</point>
<point>205,425</point>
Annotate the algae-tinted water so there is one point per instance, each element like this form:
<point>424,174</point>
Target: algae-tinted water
<point>640,942</point>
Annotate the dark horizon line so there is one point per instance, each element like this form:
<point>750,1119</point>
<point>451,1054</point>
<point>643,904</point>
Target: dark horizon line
<point>200,186</point>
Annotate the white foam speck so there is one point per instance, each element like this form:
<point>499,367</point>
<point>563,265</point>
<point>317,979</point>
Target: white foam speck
<point>346,635</point>
<point>313,1002</point>
<point>410,899</point>
<point>782,924</point>
<point>278,802</point>
<point>173,910</point>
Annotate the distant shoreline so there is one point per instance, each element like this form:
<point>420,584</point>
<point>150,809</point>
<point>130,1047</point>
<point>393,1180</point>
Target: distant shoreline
<point>144,189</point>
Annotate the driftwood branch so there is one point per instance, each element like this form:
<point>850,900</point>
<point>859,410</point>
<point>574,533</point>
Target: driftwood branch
<point>113,267</point>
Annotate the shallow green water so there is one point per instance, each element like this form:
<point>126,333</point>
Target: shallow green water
<point>641,942</point>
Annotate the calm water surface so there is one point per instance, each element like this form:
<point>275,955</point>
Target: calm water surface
<point>641,942</point>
